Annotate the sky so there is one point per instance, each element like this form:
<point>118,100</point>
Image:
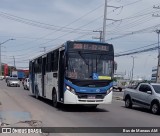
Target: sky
<point>38,25</point>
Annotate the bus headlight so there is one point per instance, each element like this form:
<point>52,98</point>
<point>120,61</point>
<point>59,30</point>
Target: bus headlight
<point>70,89</point>
<point>110,90</point>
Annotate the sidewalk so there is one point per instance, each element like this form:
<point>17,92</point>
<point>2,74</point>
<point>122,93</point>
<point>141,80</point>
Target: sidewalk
<point>12,115</point>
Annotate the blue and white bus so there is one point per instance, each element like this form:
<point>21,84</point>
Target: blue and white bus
<point>77,72</point>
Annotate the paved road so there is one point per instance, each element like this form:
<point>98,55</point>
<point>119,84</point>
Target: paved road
<point>19,106</point>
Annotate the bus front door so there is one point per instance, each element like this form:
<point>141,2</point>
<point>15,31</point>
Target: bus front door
<point>61,76</point>
<point>43,76</point>
<point>32,76</point>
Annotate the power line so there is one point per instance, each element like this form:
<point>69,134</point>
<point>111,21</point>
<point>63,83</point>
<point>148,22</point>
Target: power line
<point>133,24</point>
<point>136,52</point>
<point>136,48</point>
<point>61,28</point>
<point>53,40</point>
<point>135,32</point>
<point>45,25</point>
<point>36,23</point>
<point>138,14</point>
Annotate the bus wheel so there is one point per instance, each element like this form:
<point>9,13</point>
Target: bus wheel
<point>36,93</point>
<point>54,99</point>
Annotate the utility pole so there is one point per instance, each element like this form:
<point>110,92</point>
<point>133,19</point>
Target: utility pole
<point>132,68</point>
<point>104,21</point>
<point>0,55</point>
<point>0,61</point>
<point>14,62</point>
<point>158,68</point>
<point>100,37</point>
<point>158,32</point>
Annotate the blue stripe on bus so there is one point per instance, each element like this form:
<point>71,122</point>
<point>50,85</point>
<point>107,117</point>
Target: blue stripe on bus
<point>87,89</point>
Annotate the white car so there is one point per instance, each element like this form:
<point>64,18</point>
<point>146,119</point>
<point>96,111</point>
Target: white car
<point>1,77</point>
<point>26,84</point>
<point>13,82</point>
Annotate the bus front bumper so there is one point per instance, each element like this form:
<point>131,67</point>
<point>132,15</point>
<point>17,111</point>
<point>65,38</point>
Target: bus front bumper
<point>71,98</point>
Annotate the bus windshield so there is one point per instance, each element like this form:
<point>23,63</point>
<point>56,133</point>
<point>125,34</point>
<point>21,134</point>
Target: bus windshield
<point>83,65</point>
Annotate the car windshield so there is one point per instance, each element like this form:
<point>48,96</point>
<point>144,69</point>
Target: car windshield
<point>156,88</point>
<point>86,65</point>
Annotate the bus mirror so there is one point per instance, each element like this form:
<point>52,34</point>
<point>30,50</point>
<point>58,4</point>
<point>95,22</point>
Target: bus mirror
<point>55,75</point>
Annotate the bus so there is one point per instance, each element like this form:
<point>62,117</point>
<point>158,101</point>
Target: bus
<point>77,72</point>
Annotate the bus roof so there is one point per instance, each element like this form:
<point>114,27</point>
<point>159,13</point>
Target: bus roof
<point>62,45</point>
<point>89,41</point>
<point>56,47</point>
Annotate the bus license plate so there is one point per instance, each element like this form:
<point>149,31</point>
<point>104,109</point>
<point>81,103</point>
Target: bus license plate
<point>91,97</point>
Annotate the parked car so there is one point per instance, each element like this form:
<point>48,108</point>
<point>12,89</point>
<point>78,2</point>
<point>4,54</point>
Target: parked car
<point>13,82</point>
<point>7,78</point>
<point>146,95</point>
<point>1,77</point>
<point>26,84</point>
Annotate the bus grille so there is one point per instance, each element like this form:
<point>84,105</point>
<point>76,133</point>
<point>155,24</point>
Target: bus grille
<point>90,100</point>
<point>87,96</point>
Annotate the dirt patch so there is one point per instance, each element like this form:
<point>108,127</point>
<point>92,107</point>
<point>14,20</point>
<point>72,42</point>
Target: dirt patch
<point>33,123</point>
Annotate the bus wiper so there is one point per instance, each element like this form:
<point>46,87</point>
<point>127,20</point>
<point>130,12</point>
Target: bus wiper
<point>83,58</point>
<point>70,66</point>
<point>99,58</point>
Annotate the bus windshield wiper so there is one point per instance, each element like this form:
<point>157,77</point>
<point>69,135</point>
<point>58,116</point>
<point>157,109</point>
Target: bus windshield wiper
<point>83,58</point>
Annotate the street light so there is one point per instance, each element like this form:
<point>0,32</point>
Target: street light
<point>132,68</point>
<point>0,55</point>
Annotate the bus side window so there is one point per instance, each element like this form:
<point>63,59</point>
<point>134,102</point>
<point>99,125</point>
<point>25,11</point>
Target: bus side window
<point>39,65</point>
<point>52,61</point>
<point>30,67</point>
<point>49,59</point>
<point>36,66</point>
<point>55,56</point>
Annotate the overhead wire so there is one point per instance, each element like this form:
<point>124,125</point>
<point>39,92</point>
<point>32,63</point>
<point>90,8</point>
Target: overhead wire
<point>36,23</point>
<point>135,32</point>
<point>53,40</point>
<point>134,23</point>
<point>136,48</point>
<point>138,51</point>
<point>60,28</point>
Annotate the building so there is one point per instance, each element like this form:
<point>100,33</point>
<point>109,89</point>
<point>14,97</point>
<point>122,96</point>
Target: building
<point>6,69</point>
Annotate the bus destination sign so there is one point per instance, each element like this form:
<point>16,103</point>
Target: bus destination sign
<point>90,47</point>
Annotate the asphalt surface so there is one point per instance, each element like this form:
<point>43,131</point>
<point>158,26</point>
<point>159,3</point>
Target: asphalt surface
<point>18,106</point>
